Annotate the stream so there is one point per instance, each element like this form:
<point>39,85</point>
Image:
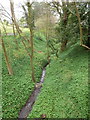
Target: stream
<point>25,111</point>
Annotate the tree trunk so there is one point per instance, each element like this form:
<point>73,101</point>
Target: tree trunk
<point>15,37</point>
<point>88,41</point>
<point>10,71</point>
<point>13,17</point>
<point>32,66</point>
<point>47,32</point>
<point>79,21</point>
<point>30,26</point>
<point>14,22</point>
<point>14,30</point>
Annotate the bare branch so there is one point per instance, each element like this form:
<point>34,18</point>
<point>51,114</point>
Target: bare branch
<point>5,10</point>
<point>85,46</point>
<point>57,6</point>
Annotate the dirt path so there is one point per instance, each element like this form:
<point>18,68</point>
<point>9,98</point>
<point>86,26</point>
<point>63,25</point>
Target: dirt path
<point>25,111</point>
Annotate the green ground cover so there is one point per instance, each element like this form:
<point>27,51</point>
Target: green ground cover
<point>65,90</point>
<point>17,88</point>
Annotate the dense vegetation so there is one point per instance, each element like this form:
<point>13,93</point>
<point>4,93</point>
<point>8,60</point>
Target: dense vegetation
<point>17,88</point>
<point>38,38</point>
<point>65,90</point>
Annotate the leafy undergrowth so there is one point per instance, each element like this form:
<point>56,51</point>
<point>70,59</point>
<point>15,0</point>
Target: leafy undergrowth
<point>65,90</point>
<point>17,88</point>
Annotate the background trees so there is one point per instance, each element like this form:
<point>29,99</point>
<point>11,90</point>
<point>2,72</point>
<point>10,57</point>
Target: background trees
<point>61,32</point>
<point>72,21</point>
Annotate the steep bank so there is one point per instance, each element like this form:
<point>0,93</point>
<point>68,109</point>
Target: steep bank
<point>16,89</point>
<point>65,90</point>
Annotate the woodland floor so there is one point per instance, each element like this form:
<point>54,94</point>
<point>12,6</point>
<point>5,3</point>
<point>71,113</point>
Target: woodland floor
<point>65,91</point>
<point>16,89</point>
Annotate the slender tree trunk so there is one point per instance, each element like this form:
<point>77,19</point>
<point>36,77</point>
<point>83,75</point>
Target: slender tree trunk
<point>48,56</point>
<point>15,37</point>
<point>32,68</point>
<point>31,25</point>
<point>47,33</point>
<point>31,61</point>
<point>79,21</point>
<point>14,22</point>
<point>10,71</point>
<point>13,17</point>
<point>14,30</point>
<point>88,25</point>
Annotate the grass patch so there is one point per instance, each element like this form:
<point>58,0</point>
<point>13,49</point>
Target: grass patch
<point>9,29</point>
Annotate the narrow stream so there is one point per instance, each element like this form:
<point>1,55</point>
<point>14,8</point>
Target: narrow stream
<point>25,111</point>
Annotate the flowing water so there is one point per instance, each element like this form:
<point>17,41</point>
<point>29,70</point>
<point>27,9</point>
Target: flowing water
<point>25,111</point>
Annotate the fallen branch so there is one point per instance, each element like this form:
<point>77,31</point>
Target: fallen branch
<point>85,46</point>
